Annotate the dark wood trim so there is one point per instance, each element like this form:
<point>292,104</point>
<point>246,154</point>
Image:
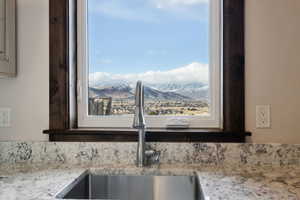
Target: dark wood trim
<point>89,135</point>
<point>59,81</point>
<point>63,107</point>
<point>233,66</point>
<point>94,131</point>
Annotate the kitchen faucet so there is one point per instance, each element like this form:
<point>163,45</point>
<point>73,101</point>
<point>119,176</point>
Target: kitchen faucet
<point>143,155</point>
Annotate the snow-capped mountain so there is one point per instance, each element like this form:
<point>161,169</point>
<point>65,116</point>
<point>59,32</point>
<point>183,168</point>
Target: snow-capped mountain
<point>173,91</point>
<point>116,91</point>
<point>196,90</point>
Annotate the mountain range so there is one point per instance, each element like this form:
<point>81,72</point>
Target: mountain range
<point>173,91</point>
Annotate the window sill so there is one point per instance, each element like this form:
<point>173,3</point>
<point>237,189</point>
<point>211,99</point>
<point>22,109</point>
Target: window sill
<point>154,135</point>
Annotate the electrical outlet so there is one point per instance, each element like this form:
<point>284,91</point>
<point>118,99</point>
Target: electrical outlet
<point>4,117</point>
<point>263,116</point>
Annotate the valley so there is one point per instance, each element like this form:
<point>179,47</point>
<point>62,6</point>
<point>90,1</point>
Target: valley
<point>172,99</point>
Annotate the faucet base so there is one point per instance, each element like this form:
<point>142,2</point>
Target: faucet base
<point>141,148</point>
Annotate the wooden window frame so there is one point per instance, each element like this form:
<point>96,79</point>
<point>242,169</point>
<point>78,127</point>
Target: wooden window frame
<point>63,81</point>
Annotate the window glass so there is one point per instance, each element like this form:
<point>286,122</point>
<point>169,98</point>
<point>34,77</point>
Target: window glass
<point>164,43</point>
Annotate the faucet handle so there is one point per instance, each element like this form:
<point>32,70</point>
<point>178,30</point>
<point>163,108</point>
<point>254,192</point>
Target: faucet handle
<point>152,156</point>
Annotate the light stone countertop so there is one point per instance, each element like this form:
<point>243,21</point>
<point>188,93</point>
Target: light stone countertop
<point>217,183</point>
<point>39,170</point>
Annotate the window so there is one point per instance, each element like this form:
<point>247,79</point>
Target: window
<point>173,46</point>
<point>64,65</point>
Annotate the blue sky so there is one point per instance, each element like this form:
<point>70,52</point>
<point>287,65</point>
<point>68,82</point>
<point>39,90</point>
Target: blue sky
<point>135,36</point>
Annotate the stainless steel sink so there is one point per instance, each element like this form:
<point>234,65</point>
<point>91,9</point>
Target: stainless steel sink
<point>124,187</point>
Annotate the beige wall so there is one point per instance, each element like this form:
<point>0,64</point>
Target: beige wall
<point>27,95</point>
<point>272,70</point>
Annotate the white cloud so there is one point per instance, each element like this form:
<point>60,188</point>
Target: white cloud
<point>177,3</point>
<point>194,72</point>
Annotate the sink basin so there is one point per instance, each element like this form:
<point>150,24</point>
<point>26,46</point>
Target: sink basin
<point>133,187</point>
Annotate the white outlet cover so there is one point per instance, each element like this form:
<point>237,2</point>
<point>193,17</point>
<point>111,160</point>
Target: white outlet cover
<point>5,117</point>
<point>263,116</point>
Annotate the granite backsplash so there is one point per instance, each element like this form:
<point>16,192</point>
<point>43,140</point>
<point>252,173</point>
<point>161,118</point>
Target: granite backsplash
<point>43,154</point>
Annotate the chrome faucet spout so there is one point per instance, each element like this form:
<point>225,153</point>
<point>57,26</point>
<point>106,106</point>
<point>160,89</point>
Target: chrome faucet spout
<point>139,120</point>
<point>139,123</point>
